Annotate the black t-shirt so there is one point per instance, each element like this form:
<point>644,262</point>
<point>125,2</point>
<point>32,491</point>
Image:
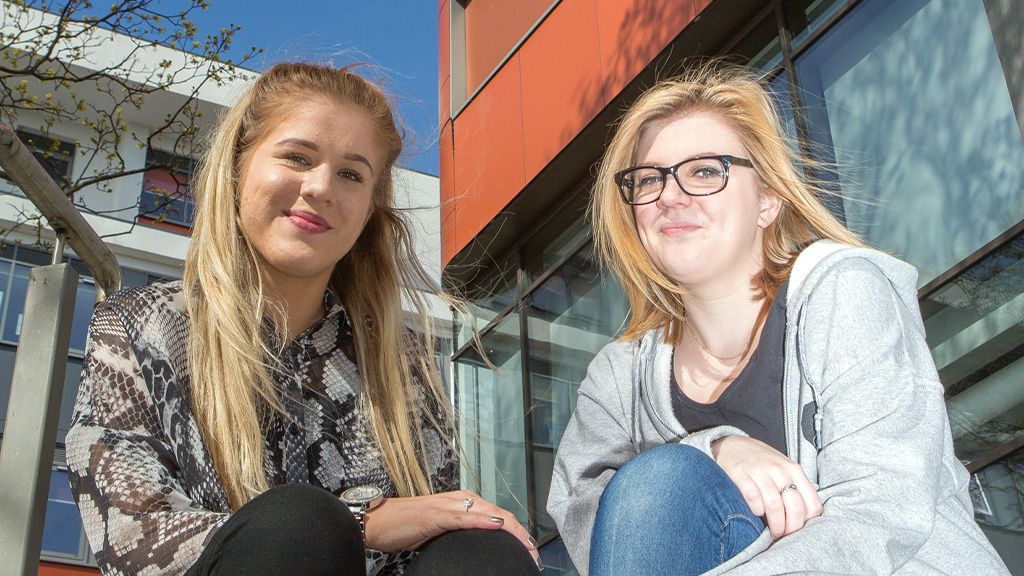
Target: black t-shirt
<point>753,402</point>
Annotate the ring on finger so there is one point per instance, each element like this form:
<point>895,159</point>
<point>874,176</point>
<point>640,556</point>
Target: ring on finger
<point>788,488</point>
<point>468,502</point>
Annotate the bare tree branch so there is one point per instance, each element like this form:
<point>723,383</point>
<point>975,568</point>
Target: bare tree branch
<point>56,69</point>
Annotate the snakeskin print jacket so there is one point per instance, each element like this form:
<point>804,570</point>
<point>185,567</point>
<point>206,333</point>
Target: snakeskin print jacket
<point>145,485</point>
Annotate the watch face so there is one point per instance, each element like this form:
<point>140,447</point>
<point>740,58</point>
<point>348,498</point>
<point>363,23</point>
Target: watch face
<point>361,494</point>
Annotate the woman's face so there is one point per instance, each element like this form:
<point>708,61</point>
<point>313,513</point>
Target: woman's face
<point>707,242</point>
<point>307,190</point>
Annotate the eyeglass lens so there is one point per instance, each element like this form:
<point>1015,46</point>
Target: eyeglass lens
<point>698,177</point>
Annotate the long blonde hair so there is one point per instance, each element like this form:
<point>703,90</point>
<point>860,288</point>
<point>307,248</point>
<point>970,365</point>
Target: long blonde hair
<point>232,365</point>
<point>737,95</point>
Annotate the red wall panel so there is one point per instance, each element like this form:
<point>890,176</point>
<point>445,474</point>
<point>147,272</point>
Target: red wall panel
<point>633,33</point>
<point>55,569</point>
<point>446,155</point>
<point>488,155</point>
<point>561,81</point>
<point>493,27</point>
<point>578,59</point>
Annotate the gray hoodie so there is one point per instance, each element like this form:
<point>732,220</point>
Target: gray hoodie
<point>864,417</point>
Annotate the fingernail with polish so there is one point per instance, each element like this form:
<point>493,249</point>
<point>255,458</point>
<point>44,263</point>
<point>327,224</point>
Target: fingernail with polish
<point>532,541</point>
<point>540,564</point>
<point>497,520</point>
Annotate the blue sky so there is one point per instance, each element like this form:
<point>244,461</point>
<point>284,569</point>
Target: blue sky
<point>398,36</point>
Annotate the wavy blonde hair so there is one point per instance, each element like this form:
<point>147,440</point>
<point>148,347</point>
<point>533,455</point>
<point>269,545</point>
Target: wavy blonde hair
<point>232,363</point>
<point>736,95</point>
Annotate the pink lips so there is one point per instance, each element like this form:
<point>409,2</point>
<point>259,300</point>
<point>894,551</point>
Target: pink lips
<point>678,228</point>
<point>307,221</point>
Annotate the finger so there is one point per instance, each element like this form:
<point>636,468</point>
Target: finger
<point>482,520</point>
<point>774,508</point>
<point>511,525</point>
<point>812,501</point>
<point>796,510</point>
<point>751,495</point>
<point>516,529</point>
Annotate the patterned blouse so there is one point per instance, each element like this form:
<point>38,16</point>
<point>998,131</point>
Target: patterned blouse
<point>146,487</point>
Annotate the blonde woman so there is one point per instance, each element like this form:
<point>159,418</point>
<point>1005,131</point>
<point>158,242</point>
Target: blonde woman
<point>772,406</point>
<point>271,414</point>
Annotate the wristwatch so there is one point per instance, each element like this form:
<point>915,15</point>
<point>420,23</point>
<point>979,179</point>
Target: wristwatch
<point>358,500</point>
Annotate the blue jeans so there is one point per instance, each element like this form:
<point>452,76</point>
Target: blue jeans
<point>670,511</point>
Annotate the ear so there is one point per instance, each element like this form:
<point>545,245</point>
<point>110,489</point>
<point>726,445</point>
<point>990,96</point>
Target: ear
<point>771,205</point>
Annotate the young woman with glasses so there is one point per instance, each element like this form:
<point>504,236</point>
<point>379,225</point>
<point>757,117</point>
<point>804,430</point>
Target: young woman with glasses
<point>772,405</point>
<point>271,414</point>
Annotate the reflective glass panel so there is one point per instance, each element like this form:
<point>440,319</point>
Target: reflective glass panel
<point>85,299</point>
<point>62,529</point>
<point>556,559</point>
<point>5,276</point>
<point>488,297</point>
<point>804,17</point>
<point>909,98</point>
<point>16,303</point>
<point>492,427</point>
<point>570,318</point>
<point>975,327</point>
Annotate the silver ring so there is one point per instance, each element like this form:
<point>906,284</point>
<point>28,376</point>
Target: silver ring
<point>787,488</point>
<point>467,502</point>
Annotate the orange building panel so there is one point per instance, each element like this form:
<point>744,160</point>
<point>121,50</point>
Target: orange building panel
<point>561,81</point>
<point>493,28</point>
<point>447,178</point>
<point>488,155</point>
<point>634,32</point>
<point>443,63</point>
<point>56,569</point>
<point>576,61</point>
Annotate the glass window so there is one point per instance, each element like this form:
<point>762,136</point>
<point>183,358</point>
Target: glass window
<point>85,300</point>
<point>556,559</point>
<point>570,318</point>
<point>910,99</point>
<point>492,426</point>
<point>165,191</point>
<point>16,303</point>
<point>63,536</point>
<point>5,276</point>
<point>804,17</point>
<point>490,294</point>
<point>54,154</point>
<point>975,327</point>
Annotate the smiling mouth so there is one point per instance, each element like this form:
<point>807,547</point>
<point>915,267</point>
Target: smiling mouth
<point>307,221</point>
<point>680,228</point>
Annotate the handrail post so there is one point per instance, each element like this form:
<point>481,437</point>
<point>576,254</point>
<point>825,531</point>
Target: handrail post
<point>33,412</point>
<point>26,457</point>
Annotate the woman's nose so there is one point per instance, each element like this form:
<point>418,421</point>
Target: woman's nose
<point>672,194</point>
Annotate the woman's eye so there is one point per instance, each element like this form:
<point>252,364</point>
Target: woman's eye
<point>296,159</point>
<point>351,175</point>
<point>707,172</point>
<point>650,181</point>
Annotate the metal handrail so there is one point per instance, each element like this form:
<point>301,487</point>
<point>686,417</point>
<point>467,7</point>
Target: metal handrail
<point>40,363</point>
<point>67,222</point>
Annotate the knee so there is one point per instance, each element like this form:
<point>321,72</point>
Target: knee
<point>301,511</point>
<point>474,552</point>
<point>663,469</point>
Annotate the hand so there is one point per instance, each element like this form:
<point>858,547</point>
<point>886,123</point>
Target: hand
<point>761,472</point>
<point>408,523</point>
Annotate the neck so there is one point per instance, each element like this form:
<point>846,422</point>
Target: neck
<point>301,300</point>
<point>723,324</point>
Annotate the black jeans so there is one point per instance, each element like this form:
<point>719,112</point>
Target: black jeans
<point>303,530</point>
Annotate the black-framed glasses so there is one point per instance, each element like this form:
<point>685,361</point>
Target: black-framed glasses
<point>702,176</point>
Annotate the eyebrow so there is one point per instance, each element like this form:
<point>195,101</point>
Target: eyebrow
<point>312,146</point>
